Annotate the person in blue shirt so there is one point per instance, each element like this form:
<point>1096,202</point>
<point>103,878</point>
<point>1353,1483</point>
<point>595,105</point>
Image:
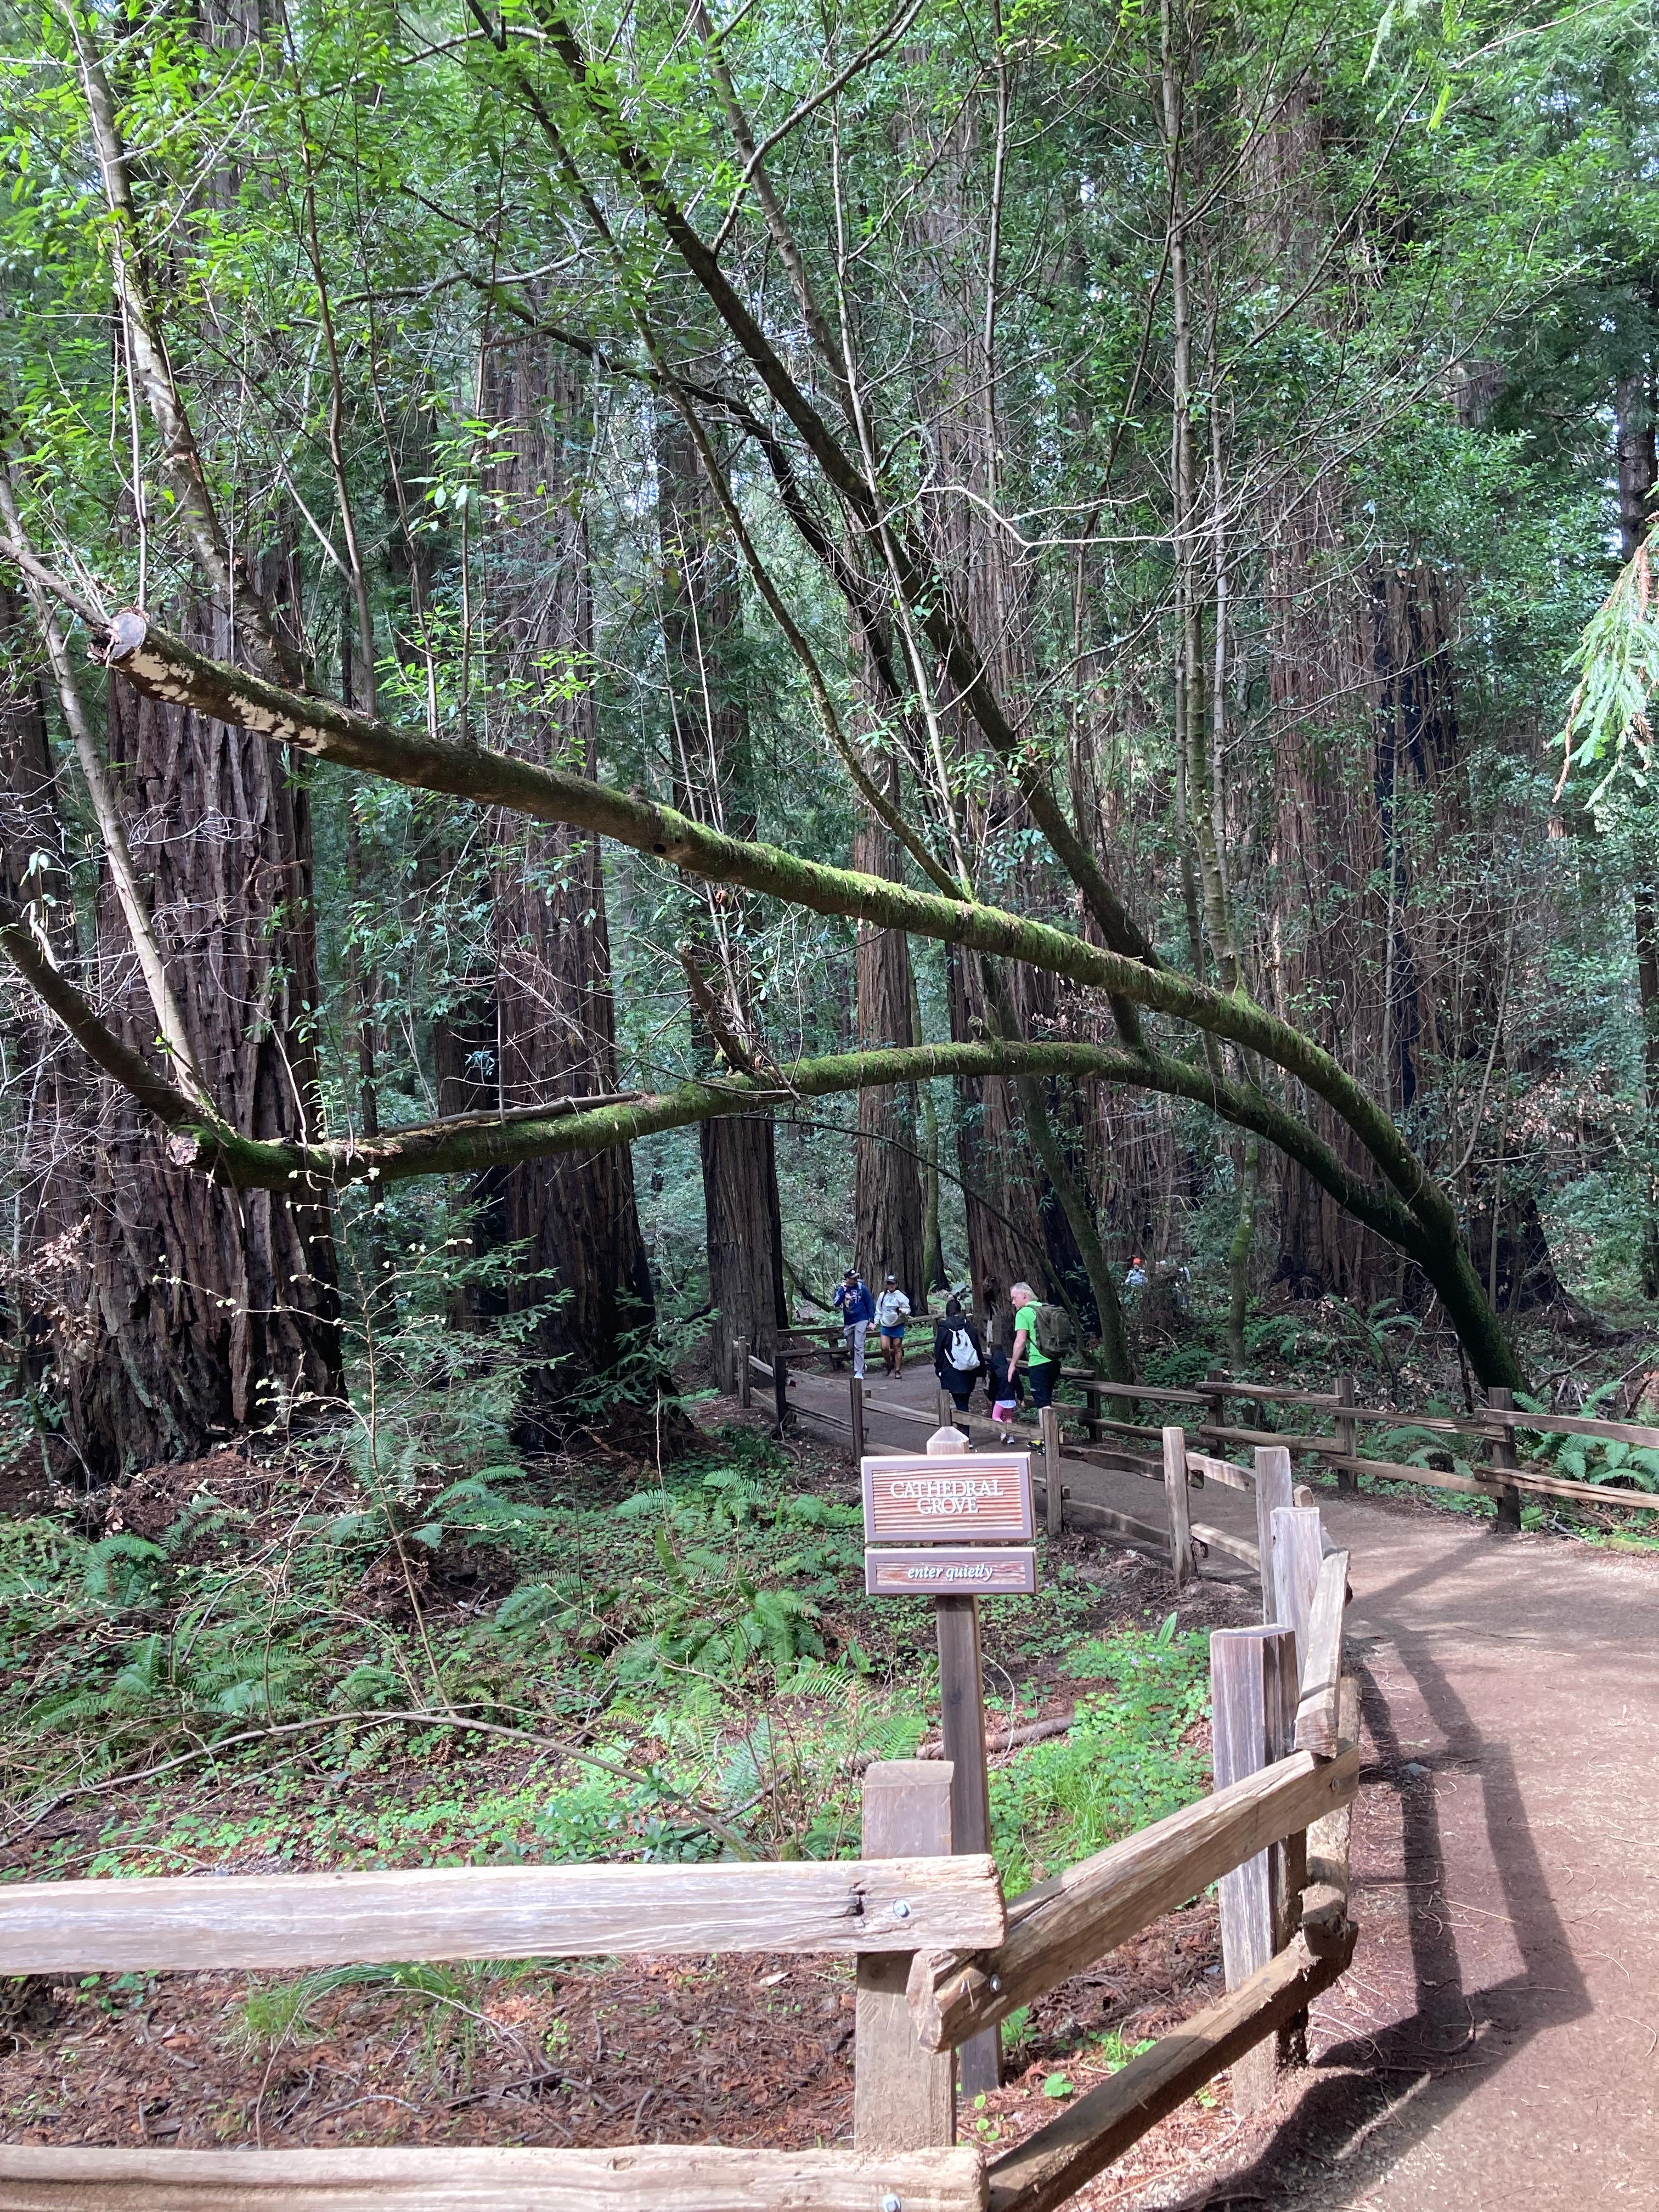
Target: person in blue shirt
<point>857,1309</point>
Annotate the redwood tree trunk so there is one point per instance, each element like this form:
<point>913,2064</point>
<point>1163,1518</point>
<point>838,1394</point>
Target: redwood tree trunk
<point>887,1207</point>
<point>47,1083</point>
<point>584,1259</point>
<point>202,1309</point>
<point>710,741</point>
<point>1637,457</point>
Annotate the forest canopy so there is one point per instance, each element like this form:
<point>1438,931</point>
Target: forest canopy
<point>648,652</point>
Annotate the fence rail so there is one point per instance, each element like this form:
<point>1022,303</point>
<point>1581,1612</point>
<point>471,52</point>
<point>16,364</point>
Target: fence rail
<point>142,1924</point>
<point>1496,1426</point>
<point>1060,2159</point>
<point>644,2177</point>
<point>1056,1931</point>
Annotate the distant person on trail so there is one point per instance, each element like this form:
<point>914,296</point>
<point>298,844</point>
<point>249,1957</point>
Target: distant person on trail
<point>959,1357</point>
<point>892,1311</point>
<point>1136,1278</point>
<point>857,1309</point>
<point>1041,1334</point>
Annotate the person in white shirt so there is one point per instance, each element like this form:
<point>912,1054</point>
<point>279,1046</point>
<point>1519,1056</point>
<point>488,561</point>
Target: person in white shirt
<point>892,1311</point>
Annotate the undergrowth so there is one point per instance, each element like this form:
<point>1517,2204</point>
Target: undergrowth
<point>328,1661</point>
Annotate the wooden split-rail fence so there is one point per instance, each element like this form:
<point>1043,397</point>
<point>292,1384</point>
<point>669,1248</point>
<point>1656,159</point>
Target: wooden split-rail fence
<point>940,1960</point>
<point>1505,1477</point>
<point>1096,1436</point>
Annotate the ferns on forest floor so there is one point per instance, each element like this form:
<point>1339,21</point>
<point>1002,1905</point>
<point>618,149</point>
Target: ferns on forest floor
<point>694,1638</point>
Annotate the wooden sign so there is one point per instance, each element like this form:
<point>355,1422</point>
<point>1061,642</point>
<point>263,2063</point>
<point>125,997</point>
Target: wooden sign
<point>967,1497</point>
<point>1007,1571</point>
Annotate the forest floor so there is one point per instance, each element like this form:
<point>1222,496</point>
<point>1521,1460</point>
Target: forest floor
<point>739,2050</point>
<point>1493,2045</point>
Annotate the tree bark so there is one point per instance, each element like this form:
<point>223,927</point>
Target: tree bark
<point>715,781</point>
<point>48,1091</point>
<point>204,1309</point>
<point>554,1013</point>
<point>887,1207</point>
<point>1637,460</point>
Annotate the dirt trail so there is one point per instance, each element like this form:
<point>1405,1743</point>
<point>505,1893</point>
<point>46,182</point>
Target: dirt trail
<point>1497,2043</point>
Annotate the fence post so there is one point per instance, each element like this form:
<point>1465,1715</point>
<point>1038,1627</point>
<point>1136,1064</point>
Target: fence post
<point>1298,1552</point>
<point>1054,1496</point>
<point>903,2097</point>
<point>961,1701</point>
<point>1174,1494</point>
<point>1252,1692</point>
<point>1215,1401</point>
<point>1347,1435</point>
<point>1274,1488</point>
<point>740,1361</point>
<point>780,1387</point>
<point>1502,1455</point>
<point>857,1419</point>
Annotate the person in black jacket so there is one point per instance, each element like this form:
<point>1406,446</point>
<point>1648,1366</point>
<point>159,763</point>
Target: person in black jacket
<point>956,1339</point>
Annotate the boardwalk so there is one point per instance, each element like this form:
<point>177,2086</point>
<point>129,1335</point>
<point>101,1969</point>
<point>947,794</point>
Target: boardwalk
<point>1496,2046</point>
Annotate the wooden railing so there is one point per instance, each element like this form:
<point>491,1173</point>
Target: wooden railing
<point>1506,1479</point>
<point>939,1961</point>
<point>1274,1834</point>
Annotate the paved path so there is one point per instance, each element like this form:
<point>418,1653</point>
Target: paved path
<point>1496,2045</point>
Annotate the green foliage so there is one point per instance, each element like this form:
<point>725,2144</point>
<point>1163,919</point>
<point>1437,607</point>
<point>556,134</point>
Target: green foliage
<point>1125,1762</point>
<point>1617,659</point>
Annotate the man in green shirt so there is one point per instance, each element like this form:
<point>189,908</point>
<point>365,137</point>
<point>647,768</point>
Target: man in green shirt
<point>1039,1368</point>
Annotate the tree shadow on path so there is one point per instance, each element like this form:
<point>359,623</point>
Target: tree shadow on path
<point>1375,2091</point>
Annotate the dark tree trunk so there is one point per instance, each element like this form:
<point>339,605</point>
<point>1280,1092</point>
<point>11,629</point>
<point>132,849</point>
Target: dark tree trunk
<point>714,777</point>
<point>887,1207</point>
<point>1637,457</point>
<point>48,1085</point>
<point>554,1017</point>
<point>204,1310</point>
<point>1002,1183</point>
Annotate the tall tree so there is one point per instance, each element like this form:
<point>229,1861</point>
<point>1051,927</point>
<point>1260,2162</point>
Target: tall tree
<point>576,1219</point>
<point>887,1201</point>
<point>711,744</point>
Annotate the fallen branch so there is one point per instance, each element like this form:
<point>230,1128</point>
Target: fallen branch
<point>708,1821</point>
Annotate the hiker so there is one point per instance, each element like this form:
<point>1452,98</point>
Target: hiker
<point>857,1309</point>
<point>959,1357</point>
<point>1040,1333</point>
<point>1003,1388</point>
<point>1136,1278</point>
<point>892,1311</point>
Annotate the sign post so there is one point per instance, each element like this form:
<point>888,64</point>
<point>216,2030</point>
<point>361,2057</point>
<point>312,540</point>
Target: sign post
<point>955,1526</point>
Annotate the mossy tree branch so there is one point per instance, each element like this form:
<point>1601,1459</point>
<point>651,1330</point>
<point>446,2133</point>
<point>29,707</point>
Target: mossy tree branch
<point>165,668</point>
<point>467,1144</point>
